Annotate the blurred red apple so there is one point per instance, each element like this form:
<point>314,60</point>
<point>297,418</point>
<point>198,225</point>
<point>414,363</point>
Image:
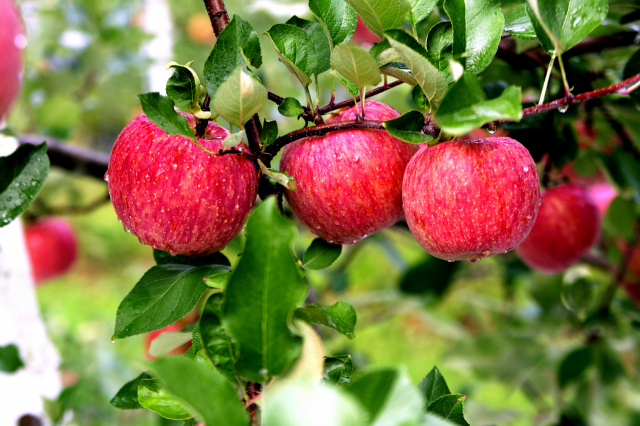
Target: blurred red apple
<point>199,29</point>
<point>52,247</point>
<point>364,35</point>
<point>12,42</point>
<point>568,225</point>
<point>349,182</point>
<point>469,199</point>
<point>174,196</point>
<point>150,337</point>
<point>602,194</point>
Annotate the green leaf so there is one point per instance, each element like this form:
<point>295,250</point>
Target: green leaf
<point>234,139</point>
<point>408,127</point>
<point>340,316</point>
<point>10,360</point>
<point>220,347</point>
<point>351,87</point>
<point>164,294</point>
<point>574,365</point>
<point>415,56</point>
<point>383,53</point>
<point>190,422</point>
<point>465,107</point>
<point>239,97</point>
<point>225,58</point>
<point>389,397</point>
<point>211,397</point>
<point>400,71</point>
<point>319,39</point>
<point>262,294</point>
<point>418,98</point>
<point>560,24</point>
<point>153,396</point>
<point>269,132</point>
<point>519,24</point>
<point>430,277</point>
<point>183,86</point>
<point>337,18</point>
<point>623,168</point>
<point>440,48</point>
<point>295,49</point>
<point>159,109</point>
<point>420,9</point>
<point>337,370</point>
<point>381,15</point>
<point>127,396</point>
<point>22,174</point>
<point>219,280</point>
<point>477,28</point>
<point>630,69</point>
<point>278,178</point>
<point>321,254</point>
<point>449,407</point>
<point>356,65</point>
<point>620,218</point>
<point>435,420</point>
<point>165,258</point>
<point>433,386</point>
<point>290,107</point>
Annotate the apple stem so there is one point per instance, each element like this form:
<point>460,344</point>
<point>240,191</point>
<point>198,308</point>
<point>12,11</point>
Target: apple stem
<point>546,80</point>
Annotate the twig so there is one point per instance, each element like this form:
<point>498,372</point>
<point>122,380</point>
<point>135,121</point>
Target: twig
<point>350,102</point>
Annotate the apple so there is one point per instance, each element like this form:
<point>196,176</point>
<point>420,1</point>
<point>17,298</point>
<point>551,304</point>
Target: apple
<point>364,35</point>
<point>469,199</point>
<point>199,29</point>
<point>52,247</point>
<point>174,196</point>
<point>12,42</point>
<point>349,182</point>
<point>603,194</point>
<point>568,225</point>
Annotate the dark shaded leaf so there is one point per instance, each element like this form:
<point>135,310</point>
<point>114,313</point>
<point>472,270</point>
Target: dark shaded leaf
<point>433,386</point>
<point>440,48</point>
<point>450,408</point>
<point>337,370</point>
<point>182,86</point>
<point>630,69</point>
<point>574,365</point>
<point>269,132</point>
<point>127,396</point>
<point>408,127</point>
<point>321,254</point>
<point>10,360</point>
<point>340,316</point>
<point>165,258</point>
<point>430,277</point>
<point>220,346</point>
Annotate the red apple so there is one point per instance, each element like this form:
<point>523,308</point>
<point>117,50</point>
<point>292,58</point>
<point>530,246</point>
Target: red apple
<point>12,41</point>
<point>52,247</point>
<point>364,35</point>
<point>568,225</point>
<point>603,194</point>
<point>174,196</point>
<point>469,199</point>
<point>349,182</point>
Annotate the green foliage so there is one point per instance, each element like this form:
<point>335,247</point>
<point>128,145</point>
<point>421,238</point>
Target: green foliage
<point>419,11</point>
<point>127,396</point>
<point>356,65</point>
<point>239,97</point>
<point>408,127</point>
<point>321,254</point>
<point>574,365</point>
<point>440,48</point>
<point>449,407</point>
<point>217,341</point>
<point>380,16</point>
<point>159,109</point>
<point>153,395</point>
<point>290,107</point>
<point>165,258</point>
<point>519,24</point>
<point>295,49</point>
<point>340,316</point>
<point>433,386</point>
<point>632,68</point>
<point>183,87</point>
<point>269,132</point>
<point>431,277</point>
<point>337,18</point>
<point>337,370</point>
<point>10,360</point>
<point>319,40</point>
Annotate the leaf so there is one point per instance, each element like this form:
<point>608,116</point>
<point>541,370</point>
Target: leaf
<point>415,56</point>
<point>225,58</point>
<point>351,87</point>
<point>219,280</point>
<point>263,292</point>
<point>440,48</point>
<point>321,254</point>
<point>400,71</point>
<point>420,9</point>
<point>340,316</point>
<point>164,294</point>
<point>22,175</point>
<point>389,398</point>
<point>624,170</point>
<point>435,420</point>
<point>519,24</point>
<point>10,360</point>
<point>337,18</point>
<point>319,40</point>
<point>234,139</point>
<point>418,98</point>
<point>449,407</point>
<point>465,107</point>
<point>269,132</point>
<point>337,370</point>
<point>560,24</point>
<point>381,15</point>
<point>166,342</point>
<point>433,386</point>
<point>206,391</point>
<point>477,29</point>
<point>574,365</point>
<point>408,127</point>
<point>620,218</point>
<point>278,178</point>
<point>239,97</point>
<point>217,341</point>
<point>431,277</point>
<point>356,65</point>
<point>165,258</point>
<point>183,86</point>
<point>630,69</point>
<point>127,396</point>
<point>295,49</point>
<point>159,109</point>
<point>309,366</point>
<point>290,107</point>
<point>153,396</point>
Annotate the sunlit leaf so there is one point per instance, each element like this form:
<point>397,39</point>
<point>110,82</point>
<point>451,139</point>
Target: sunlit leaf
<point>338,19</point>
<point>356,65</point>
<point>519,24</point>
<point>295,49</point>
<point>239,97</point>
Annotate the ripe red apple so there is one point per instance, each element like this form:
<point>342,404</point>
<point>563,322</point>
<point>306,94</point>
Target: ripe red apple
<point>364,35</point>
<point>603,194</point>
<point>469,199</point>
<point>12,41</point>
<point>174,196</point>
<point>568,225</point>
<point>52,247</point>
<point>349,182</point>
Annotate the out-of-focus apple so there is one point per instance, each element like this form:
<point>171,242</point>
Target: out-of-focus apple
<point>150,337</point>
<point>174,196</point>
<point>349,182</point>
<point>469,199</point>
<point>602,194</point>
<point>52,247</point>
<point>568,225</point>
<point>363,35</point>
<point>199,29</point>
<point>12,42</point>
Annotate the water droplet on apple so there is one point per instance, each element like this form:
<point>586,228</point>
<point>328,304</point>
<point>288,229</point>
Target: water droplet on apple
<point>486,253</point>
<point>20,41</point>
<point>525,168</point>
<point>474,260</point>
<point>563,108</point>
<point>106,177</point>
<point>330,241</point>
<point>492,130</point>
<point>450,261</point>
<point>174,166</point>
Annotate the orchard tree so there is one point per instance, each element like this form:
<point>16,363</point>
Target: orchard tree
<point>184,184</point>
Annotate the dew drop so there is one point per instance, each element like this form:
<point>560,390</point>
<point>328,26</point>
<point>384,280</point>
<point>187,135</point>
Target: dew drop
<point>492,130</point>
<point>113,340</point>
<point>317,226</point>
<point>450,261</point>
<point>20,41</point>
<point>174,166</point>
<point>525,168</point>
<point>474,260</point>
<point>106,177</point>
<point>563,108</point>
<point>486,253</point>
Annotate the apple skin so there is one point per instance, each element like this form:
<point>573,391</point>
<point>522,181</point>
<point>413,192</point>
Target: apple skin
<point>11,44</point>
<point>349,182</point>
<point>469,199</point>
<point>175,197</point>
<point>52,247</point>
<point>568,225</point>
<point>364,35</point>
<point>603,194</point>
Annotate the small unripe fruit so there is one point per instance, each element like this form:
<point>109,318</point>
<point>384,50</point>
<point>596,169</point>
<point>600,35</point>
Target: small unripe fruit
<point>568,225</point>
<point>12,42</point>
<point>52,247</point>
<point>348,182</point>
<point>469,199</point>
<point>174,196</point>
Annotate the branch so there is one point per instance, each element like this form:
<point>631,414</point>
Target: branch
<point>351,102</point>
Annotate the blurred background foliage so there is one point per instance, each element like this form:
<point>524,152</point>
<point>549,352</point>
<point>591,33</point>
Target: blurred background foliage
<point>524,347</point>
